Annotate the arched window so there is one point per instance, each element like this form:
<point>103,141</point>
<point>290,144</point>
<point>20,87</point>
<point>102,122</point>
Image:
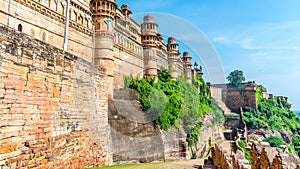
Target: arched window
<point>20,27</point>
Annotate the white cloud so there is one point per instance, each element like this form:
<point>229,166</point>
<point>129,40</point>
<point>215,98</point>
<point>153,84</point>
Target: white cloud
<point>220,39</point>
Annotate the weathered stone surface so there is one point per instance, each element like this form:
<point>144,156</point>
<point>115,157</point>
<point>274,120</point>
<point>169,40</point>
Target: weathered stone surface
<point>263,157</point>
<point>236,97</point>
<point>133,137</point>
<point>53,107</point>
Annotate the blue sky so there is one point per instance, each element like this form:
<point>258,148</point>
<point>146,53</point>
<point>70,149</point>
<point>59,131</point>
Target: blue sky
<point>262,38</point>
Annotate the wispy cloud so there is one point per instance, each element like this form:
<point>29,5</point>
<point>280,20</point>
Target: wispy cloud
<point>270,36</point>
<point>220,39</point>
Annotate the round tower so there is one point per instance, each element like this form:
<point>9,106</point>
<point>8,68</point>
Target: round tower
<point>103,13</point>
<point>149,39</point>
<point>173,57</point>
<point>149,32</point>
<point>187,62</point>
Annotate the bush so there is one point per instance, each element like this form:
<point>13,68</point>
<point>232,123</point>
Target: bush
<point>271,113</point>
<point>176,102</point>
<point>296,144</point>
<point>193,135</point>
<point>274,141</point>
<point>246,152</point>
<point>218,114</point>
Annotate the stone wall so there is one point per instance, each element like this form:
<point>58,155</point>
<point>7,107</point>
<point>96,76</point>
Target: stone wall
<point>221,158</point>
<point>236,97</point>
<point>264,156</point>
<point>134,137</point>
<point>242,96</point>
<point>53,107</point>
<point>45,20</point>
<point>126,63</point>
<point>174,142</point>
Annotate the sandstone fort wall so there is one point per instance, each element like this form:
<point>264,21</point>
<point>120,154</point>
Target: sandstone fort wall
<point>53,106</point>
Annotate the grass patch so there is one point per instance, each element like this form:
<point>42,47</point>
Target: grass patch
<point>139,165</point>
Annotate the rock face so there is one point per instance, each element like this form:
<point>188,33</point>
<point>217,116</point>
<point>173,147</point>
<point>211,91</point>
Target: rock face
<point>134,137</point>
<point>207,131</point>
<point>286,136</point>
<point>49,111</point>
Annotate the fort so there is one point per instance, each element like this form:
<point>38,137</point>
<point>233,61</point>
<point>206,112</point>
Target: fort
<point>101,33</point>
<point>54,102</point>
<point>66,107</point>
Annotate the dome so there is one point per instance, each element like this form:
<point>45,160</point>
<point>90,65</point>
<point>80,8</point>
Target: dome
<point>172,40</point>
<point>186,54</point>
<point>148,18</point>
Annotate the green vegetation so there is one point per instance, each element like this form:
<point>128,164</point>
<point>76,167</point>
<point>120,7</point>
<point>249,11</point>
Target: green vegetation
<point>177,102</point>
<point>246,152</point>
<point>296,144</point>
<point>258,94</point>
<point>290,148</point>
<point>232,117</point>
<point>272,114</point>
<point>192,136</point>
<point>274,141</point>
<point>236,77</point>
<point>151,165</point>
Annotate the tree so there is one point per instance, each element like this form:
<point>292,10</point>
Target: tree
<point>236,77</point>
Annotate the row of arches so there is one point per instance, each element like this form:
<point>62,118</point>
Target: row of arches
<point>75,15</point>
<point>128,44</point>
<point>32,32</point>
<point>151,38</point>
<point>147,26</point>
<point>103,6</point>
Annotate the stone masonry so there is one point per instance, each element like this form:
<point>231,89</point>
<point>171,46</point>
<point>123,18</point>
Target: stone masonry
<point>53,107</point>
<point>236,97</point>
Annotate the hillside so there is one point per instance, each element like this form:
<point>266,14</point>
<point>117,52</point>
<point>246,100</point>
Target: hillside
<point>273,117</point>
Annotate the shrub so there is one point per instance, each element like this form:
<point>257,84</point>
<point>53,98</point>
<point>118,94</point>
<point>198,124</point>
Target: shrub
<point>246,152</point>
<point>176,102</point>
<point>193,135</point>
<point>274,141</point>
<point>271,113</point>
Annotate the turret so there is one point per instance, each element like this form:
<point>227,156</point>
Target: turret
<point>172,45</point>
<point>125,8</point>
<point>173,57</point>
<point>197,70</point>
<point>149,32</point>
<point>200,72</point>
<point>103,12</point>
<point>187,62</point>
<point>149,39</point>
